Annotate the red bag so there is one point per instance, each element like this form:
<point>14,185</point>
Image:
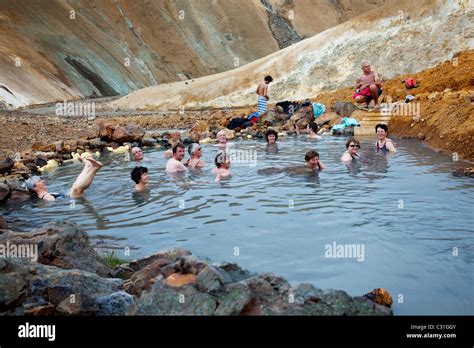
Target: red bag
<point>410,83</point>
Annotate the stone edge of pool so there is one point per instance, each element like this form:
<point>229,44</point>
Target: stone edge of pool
<point>55,270</point>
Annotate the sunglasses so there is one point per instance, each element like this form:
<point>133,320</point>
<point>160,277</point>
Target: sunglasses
<point>358,146</point>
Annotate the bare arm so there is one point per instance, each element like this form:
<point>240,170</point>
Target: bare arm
<point>346,157</point>
<point>321,165</point>
<point>378,82</point>
<point>390,147</point>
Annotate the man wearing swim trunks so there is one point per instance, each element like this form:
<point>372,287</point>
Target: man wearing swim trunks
<point>262,91</point>
<point>368,86</point>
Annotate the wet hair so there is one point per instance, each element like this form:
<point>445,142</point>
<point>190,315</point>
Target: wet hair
<point>221,158</point>
<point>314,126</point>
<point>270,132</point>
<point>175,147</point>
<point>268,78</point>
<point>352,140</point>
<point>310,154</point>
<point>383,126</point>
<point>364,63</point>
<point>137,172</point>
<point>193,148</point>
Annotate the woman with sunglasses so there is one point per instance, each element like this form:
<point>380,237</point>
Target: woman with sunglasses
<point>352,146</point>
<point>195,151</point>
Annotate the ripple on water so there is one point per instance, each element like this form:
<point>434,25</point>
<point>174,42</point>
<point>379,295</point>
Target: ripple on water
<point>408,212</point>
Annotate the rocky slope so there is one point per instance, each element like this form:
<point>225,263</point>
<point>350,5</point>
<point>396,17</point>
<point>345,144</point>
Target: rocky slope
<point>61,281</point>
<point>62,49</point>
<point>398,39</point>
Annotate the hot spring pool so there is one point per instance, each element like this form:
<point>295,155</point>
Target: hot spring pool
<point>408,212</point>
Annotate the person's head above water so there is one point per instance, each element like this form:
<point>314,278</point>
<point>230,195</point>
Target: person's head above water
<point>195,150</point>
<point>313,126</point>
<point>352,146</point>
<point>178,151</point>
<point>268,79</point>
<point>271,136</point>
<point>365,66</point>
<point>381,130</point>
<point>221,137</point>
<point>222,160</point>
<point>36,184</point>
<point>137,153</point>
<point>139,176</point>
<point>312,159</point>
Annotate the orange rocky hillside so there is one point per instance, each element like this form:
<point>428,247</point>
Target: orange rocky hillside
<point>446,97</point>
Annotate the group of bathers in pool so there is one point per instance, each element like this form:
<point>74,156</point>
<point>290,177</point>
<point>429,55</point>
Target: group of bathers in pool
<point>175,164</point>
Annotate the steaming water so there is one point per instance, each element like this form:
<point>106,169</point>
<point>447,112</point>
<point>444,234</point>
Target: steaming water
<point>407,211</point>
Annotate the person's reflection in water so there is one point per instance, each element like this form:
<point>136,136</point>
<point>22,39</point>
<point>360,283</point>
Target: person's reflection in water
<point>354,167</point>
<point>381,162</point>
<point>88,209</point>
<point>271,149</point>
<point>141,197</point>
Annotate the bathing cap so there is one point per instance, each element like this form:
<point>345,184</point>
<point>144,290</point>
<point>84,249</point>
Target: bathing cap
<point>31,182</point>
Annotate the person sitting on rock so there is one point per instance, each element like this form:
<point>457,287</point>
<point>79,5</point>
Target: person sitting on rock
<point>37,185</point>
<point>140,176</point>
<point>271,136</point>
<point>262,91</point>
<point>313,161</point>
<point>195,151</point>
<point>352,146</point>
<point>368,86</point>
<point>137,154</point>
<point>174,163</point>
<point>222,166</point>
<point>383,143</point>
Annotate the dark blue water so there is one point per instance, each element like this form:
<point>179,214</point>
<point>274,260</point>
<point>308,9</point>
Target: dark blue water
<point>408,212</point>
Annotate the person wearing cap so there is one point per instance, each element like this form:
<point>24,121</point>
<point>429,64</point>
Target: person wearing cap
<point>37,186</point>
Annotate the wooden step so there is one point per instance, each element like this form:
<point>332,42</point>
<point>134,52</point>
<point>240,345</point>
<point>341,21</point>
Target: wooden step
<point>374,116</point>
<point>372,122</point>
<point>380,118</point>
<point>363,130</point>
